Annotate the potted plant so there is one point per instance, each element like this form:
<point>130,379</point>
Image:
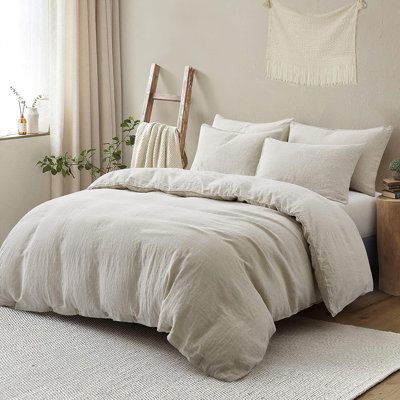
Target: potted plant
<point>394,167</point>
<point>111,153</point>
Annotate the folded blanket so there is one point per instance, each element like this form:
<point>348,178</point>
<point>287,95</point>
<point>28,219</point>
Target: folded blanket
<point>157,146</point>
<point>163,252</point>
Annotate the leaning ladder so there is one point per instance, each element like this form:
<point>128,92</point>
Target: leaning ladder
<point>183,99</point>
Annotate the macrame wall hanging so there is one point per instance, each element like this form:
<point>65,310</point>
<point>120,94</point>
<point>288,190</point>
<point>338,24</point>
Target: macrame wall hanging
<point>313,50</point>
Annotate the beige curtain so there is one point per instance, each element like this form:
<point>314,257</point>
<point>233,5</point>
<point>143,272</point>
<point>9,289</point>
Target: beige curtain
<point>85,81</point>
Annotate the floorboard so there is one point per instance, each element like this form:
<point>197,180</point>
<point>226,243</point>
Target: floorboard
<point>375,310</point>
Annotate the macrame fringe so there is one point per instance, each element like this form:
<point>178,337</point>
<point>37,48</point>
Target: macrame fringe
<point>324,76</point>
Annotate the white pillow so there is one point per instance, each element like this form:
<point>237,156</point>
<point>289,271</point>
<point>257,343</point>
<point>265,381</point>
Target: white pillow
<point>375,141</point>
<point>326,170</point>
<point>249,127</point>
<point>229,152</point>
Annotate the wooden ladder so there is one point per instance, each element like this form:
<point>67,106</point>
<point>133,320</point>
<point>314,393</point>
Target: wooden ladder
<point>183,99</point>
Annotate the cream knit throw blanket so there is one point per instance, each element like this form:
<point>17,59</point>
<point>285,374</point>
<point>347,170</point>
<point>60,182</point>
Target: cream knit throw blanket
<point>156,146</point>
<point>313,50</point>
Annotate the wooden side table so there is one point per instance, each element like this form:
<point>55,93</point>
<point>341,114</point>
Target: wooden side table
<point>388,213</point>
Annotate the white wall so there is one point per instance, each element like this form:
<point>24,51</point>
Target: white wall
<point>225,41</point>
<point>22,185</point>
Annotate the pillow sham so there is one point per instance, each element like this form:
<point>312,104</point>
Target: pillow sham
<point>326,170</point>
<point>375,141</point>
<point>229,152</point>
<point>248,127</point>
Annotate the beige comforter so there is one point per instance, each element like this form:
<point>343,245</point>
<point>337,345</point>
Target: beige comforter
<point>168,253</point>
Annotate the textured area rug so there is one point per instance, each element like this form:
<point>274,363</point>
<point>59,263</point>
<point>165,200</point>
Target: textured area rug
<point>44,356</point>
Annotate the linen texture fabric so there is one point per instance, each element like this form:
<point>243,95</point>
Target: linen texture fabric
<point>230,152</point>
<point>232,125</point>
<point>326,170</point>
<point>374,141</point>
<point>156,247</point>
<point>84,82</point>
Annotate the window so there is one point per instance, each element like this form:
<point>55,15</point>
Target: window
<point>24,55</point>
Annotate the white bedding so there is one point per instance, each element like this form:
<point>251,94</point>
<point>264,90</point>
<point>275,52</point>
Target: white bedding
<point>213,274</point>
<point>362,210</point>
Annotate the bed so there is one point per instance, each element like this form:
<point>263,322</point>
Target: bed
<point>261,227</point>
<point>212,259</point>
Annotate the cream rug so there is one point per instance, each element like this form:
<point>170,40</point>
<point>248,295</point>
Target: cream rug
<point>53,357</point>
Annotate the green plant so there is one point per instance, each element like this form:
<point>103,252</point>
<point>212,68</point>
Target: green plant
<point>111,155</point>
<point>395,166</point>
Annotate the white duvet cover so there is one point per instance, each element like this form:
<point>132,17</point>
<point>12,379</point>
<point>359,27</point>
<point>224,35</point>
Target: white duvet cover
<point>168,253</point>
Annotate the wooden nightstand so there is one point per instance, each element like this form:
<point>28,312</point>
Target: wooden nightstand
<point>389,245</point>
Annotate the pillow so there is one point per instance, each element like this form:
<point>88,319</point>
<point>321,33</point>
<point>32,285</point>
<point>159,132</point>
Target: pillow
<point>375,141</point>
<point>249,127</point>
<point>326,170</point>
<point>229,152</point>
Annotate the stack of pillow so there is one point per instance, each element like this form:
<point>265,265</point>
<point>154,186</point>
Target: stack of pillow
<point>325,161</point>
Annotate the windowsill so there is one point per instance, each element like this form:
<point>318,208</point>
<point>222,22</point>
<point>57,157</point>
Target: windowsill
<point>29,135</point>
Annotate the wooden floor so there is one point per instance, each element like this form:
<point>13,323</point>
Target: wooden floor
<point>375,310</point>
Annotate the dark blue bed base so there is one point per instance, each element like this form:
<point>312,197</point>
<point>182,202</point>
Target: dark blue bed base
<point>372,251</point>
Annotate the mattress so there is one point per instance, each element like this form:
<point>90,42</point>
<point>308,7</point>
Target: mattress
<point>362,209</point>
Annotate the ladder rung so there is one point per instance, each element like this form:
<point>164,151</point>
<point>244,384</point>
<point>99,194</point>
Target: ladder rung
<point>167,97</point>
